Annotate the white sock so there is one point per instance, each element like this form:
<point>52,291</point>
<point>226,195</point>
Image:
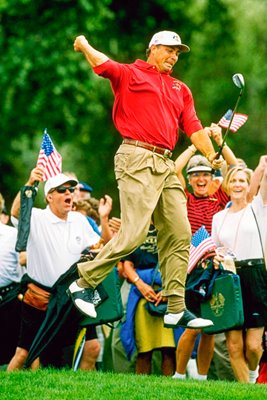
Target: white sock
<point>253,375</point>
<point>202,377</point>
<point>178,315</point>
<point>191,369</point>
<point>179,376</point>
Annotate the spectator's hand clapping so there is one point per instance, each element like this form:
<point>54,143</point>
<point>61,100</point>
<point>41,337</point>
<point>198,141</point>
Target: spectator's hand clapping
<point>105,206</point>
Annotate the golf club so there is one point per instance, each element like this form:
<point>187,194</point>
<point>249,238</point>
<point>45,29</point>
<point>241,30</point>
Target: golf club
<point>239,81</point>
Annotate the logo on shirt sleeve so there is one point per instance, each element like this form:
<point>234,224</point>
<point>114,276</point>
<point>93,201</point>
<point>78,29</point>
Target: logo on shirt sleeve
<point>176,85</point>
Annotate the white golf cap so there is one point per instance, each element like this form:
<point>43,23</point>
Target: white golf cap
<point>57,181</point>
<point>168,38</point>
<point>198,163</point>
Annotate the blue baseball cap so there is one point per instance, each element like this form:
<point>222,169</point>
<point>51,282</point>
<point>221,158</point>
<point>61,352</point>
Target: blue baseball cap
<point>84,187</point>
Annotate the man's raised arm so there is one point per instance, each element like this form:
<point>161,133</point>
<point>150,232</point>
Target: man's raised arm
<point>93,56</point>
<point>36,175</point>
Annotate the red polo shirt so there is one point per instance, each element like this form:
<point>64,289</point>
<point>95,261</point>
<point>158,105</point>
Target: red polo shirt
<point>200,210</point>
<point>149,106</point>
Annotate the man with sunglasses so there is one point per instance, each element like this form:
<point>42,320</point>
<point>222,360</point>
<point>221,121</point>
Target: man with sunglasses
<point>57,238</point>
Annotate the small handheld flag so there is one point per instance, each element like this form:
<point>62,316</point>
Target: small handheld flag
<point>201,243</point>
<point>49,159</point>
<point>237,122</point>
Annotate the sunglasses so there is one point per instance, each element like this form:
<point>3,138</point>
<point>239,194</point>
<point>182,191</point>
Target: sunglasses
<point>63,189</point>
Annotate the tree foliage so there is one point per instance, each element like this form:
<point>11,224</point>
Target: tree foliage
<point>45,84</point>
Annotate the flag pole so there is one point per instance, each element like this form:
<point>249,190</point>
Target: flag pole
<point>36,183</point>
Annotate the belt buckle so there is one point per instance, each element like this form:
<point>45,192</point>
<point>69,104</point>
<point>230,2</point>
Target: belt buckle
<point>167,153</point>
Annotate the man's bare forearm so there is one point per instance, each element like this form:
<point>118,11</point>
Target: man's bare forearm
<point>93,56</point>
<point>202,142</point>
<point>104,209</point>
<point>15,208</point>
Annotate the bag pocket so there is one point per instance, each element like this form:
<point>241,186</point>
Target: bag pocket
<point>156,311</point>
<point>36,297</point>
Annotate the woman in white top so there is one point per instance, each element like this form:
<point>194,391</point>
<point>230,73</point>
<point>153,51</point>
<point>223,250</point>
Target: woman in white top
<point>242,228</point>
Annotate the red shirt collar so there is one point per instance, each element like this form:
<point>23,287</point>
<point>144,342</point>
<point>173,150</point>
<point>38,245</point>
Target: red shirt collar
<point>146,66</point>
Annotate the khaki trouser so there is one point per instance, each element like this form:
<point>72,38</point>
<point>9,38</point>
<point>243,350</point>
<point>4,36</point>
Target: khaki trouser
<point>148,188</point>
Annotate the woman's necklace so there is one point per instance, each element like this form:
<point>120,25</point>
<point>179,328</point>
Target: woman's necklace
<point>237,229</point>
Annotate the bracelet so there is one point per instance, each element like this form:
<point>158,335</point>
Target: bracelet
<point>209,155</point>
<point>136,279</point>
<point>192,148</point>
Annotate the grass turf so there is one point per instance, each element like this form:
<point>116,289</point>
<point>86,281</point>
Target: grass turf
<point>49,384</point>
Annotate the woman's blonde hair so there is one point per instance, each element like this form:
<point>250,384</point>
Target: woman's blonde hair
<point>2,203</point>
<point>231,173</point>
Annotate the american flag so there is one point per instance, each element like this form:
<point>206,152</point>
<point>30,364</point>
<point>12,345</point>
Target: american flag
<point>237,122</point>
<point>201,243</point>
<point>49,159</point>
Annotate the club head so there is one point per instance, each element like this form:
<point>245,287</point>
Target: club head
<point>239,80</point>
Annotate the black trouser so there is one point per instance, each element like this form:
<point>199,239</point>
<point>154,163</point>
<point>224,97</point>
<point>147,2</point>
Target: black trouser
<point>9,329</point>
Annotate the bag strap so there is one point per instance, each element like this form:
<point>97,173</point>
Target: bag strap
<point>154,274</point>
<point>253,212</point>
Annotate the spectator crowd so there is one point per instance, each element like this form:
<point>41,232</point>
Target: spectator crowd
<point>138,342</point>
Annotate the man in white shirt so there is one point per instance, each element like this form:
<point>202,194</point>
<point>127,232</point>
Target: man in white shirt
<point>10,276</point>
<point>57,238</point>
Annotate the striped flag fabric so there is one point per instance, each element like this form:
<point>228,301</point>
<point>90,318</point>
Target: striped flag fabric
<point>49,159</point>
<point>237,122</point>
<point>201,243</point>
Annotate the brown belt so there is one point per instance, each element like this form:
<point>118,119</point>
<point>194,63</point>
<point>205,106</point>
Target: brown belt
<point>155,149</point>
